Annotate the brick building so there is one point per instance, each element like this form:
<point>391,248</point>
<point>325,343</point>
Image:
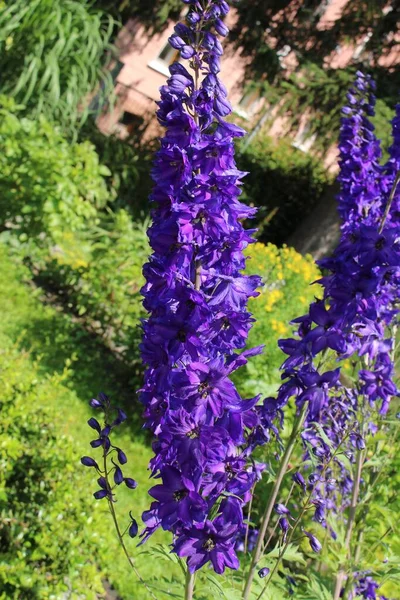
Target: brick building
<point>142,67</point>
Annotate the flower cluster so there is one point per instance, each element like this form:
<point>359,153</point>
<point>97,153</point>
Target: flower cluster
<point>110,452</point>
<point>359,304</point>
<point>366,587</point>
<point>196,297</point>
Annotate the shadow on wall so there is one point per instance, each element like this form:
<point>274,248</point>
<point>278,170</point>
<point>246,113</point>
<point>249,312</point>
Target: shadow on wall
<point>319,232</point>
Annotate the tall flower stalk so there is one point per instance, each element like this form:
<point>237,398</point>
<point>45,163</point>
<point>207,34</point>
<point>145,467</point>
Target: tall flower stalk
<point>196,297</point>
<point>359,303</point>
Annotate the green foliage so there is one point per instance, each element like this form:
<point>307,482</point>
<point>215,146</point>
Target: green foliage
<point>40,509</point>
<point>51,56</point>
<point>266,30</point>
<point>53,197</point>
<point>54,538</point>
<point>129,162</point>
<point>154,14</point>
<point>321,92</point>
<point>97,276</point>
<point>284,183</point>
<point>273,24</point>
<point>287,290</point>
<point>47,185</point>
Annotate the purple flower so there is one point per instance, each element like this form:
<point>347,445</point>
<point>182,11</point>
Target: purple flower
<point>196,296</point>
<point>211,541</point>
<point>314,543</point>
<point>281,509</point>
<point>130,483</point>
<point>104,442</point>
<point>365,587</point>
<point>284,525</point>
<point>178,501</point>
<point>252,536</point>
<point>299,479</point>
<point>100,494</point>
<point>87,461</point>
<point>133,529</point>
<point>359,304</point>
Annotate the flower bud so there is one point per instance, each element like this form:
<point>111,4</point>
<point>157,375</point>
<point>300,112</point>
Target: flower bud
<point>263,572</point>
<point>87,461</point>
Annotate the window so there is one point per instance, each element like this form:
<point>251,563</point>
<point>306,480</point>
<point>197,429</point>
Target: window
<point>248,103</point>
<point>131,122</point>
<point>303,140</point>
<point>362,45</point>
<point>321,9</point>
<point>168,54</point>
<point>282,54</point>
<point>165,58</point>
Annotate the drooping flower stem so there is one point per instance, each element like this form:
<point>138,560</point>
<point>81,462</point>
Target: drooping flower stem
<point>390,201</point>
<point>189,585</point>
<point>297,425</point>
<point>266,544</point>
<point>307,504</point>
<point>118,529</point>
<point>246,536</point>
<point>350,522</point>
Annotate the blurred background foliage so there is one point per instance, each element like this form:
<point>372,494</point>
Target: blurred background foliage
<point>267,30</point>
<point>53,54</point>
<point>284,183</point>
<point>73,216</point>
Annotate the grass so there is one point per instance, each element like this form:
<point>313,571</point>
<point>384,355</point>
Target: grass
<point>62,346</point>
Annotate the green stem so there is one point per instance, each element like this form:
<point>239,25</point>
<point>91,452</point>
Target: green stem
<point>274,493</point>
<point>350,523</point>
<point>305,507</point>
<point>118,530</point>
<point>390,201</point>
<point>189,585</point>
<point>277,522</point>
<point>246,537</point>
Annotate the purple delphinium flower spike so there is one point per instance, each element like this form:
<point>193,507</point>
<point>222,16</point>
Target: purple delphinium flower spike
<point>102,403</point>
<point>360,302</point>
<point>196,297</point>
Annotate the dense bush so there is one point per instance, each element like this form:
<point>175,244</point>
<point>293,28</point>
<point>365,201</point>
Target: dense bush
<point>51,366</point>
<point>129,163</point>
<point>285,183</point>
<point>98,276</point>
<point>40,509</point>
<point>52,56</point>
<point>47,185</point>
<point>287,276</point>
<point>53,198</point>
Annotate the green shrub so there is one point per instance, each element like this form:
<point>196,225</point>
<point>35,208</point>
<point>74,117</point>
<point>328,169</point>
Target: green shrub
<point>98,277</point>
<point>67,545</point>
<point>287,276</point>
<point>53,198</point>
<point>47,185</point>
<point>46,539</point>
<point>52,55</point>
<point>284,183</point>
<point>129,162</point>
